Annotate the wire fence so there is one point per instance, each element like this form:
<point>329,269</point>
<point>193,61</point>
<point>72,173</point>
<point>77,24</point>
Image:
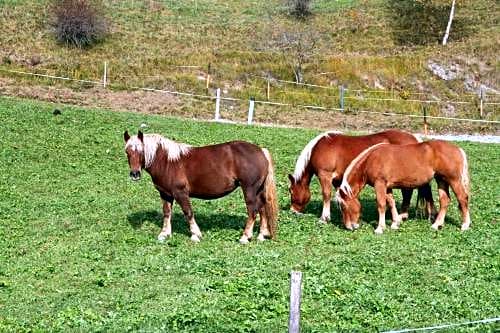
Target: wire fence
<point>104,83</point>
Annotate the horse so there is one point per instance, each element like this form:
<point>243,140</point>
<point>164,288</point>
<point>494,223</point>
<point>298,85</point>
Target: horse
<point>180,172</point>
<point>386,166</point>
<point>328,155</point>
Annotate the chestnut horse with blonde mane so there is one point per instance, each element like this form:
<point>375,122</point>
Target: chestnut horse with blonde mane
<point>328,155</point>
<point>386,166</point>
<point>180,172</point>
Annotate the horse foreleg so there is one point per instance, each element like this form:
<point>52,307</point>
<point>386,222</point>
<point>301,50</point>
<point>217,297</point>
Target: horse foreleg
<point>444,201</point>
<point>405,205</point>
<point>325,179</point>
<point>185,204</point>
<point>463,203</point>
<point>166,231</point>
<point>396,218</point>
<point>381,192</point>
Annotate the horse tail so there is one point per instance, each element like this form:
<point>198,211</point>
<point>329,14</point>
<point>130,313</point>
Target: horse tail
<point>464,176</point>
<point>271,205</point>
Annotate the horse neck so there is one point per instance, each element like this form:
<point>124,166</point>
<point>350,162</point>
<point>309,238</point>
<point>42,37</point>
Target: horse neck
<point>305,178</point>
<point>357,178</point>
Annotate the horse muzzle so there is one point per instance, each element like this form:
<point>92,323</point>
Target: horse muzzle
<point>135,175</point>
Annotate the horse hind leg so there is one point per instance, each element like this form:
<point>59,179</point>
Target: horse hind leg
<point>463,203</point>
<point>264,228</point>
<point>252,203</point>
<point>444,201</point>
<point>405,205</point>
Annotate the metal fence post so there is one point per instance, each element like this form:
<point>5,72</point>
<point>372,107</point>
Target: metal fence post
<point>251,107</point>
<point>217,105</point>
<point>341,97</point>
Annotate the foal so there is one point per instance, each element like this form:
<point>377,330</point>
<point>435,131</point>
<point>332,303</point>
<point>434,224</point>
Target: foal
<point>386,166</point>
<point>180,172</point>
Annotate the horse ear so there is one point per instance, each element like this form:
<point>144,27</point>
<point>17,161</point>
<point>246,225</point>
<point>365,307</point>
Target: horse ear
<point>140,136</point>
<point>126,136</point>
<point>292,180</point>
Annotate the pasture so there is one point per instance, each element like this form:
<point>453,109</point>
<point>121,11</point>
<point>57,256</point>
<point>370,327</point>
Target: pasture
<point>79,251</point>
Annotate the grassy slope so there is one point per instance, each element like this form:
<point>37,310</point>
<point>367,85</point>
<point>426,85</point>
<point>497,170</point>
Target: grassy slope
<point>356,43</point>
<point>79,249</point>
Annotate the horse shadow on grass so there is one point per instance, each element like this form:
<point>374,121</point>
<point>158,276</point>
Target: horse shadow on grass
<point>369,213</point>
<point>215,221</point>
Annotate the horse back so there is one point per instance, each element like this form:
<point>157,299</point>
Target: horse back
<point>333,153</point>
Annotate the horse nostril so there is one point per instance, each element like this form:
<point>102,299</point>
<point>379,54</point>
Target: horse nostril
<point>135,174</point>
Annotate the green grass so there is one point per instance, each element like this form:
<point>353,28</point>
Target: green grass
<point>79,251</point>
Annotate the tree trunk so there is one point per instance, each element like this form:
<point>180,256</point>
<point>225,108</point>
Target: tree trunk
<point>448,28</point>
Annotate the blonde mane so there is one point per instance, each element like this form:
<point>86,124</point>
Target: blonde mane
<point>305,155</point>
<point>345,186</point>
<point>173,149</point>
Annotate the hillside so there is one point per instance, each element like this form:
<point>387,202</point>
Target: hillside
<point>381,52</point>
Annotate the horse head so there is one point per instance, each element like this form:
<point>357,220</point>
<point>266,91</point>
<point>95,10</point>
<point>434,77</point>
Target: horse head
<point>350,207</point>
<point>134,147</point>
<point>299,195</point>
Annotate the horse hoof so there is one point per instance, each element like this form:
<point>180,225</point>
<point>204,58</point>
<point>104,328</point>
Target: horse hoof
<point>195,238</point>
<point>435,226</point>
<point>244,240</point>
<point>379,231</point>
<point>162,237</point>
<point>349,227</point>
<point>355,226</point>
<point>322,221</point>
<point>261,238</point>
<point>465,227</point>
<point>403,216</point>
<point>394,226</point>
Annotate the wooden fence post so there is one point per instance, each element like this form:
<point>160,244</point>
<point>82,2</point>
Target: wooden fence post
<point>209,70</point>
<point>295,291</point>
<point>426,130</point>
<point>268,92</point>
<point>217,105</point>
<point>251,107</point>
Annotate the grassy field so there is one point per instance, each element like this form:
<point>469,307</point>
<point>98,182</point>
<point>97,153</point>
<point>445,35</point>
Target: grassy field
<point>360,44</point>
<point>79,251</point>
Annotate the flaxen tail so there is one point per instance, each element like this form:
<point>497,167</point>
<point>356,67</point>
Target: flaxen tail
<point>271,205</point>
<point>464,176</point>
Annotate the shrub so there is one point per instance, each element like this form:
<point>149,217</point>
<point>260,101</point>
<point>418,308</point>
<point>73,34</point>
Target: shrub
<point>79,23</point>
<point>300,8</point>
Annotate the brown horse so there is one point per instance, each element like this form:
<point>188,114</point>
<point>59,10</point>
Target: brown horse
<point>180,172</point>
<point>386,166</point>
<point>328,155</point>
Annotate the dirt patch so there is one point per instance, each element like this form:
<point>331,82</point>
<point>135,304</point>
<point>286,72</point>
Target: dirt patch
<point>138,101</point>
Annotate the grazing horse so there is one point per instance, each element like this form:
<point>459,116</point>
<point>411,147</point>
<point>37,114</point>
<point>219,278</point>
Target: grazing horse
<point>386,166</point>
<point>328,155</point>
<point>180,172</point>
